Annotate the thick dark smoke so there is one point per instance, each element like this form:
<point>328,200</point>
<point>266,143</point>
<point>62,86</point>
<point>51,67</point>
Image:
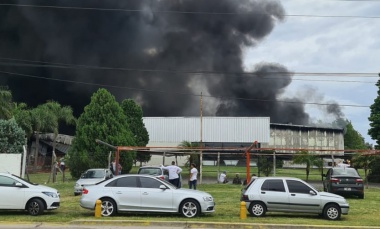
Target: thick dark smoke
<point>155,37</point>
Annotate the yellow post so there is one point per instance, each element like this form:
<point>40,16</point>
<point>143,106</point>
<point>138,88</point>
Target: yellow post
<point>98,208</point>
<point>243,210</point>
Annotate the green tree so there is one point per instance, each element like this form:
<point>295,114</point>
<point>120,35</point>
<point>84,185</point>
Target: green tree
<point>374,117</point>
<point>43,120</point>
<point>22,114</point>
<point>103,119</point>
<point>352,138</point>
<point>135,122</point>
<point>304,157</point>
<point>5,103</point>
<point>265,162</point>
<point>193,156</point>
<point>62,114</point>
<point>12,137</point>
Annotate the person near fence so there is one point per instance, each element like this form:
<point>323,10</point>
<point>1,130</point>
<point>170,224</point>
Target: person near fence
<point>193,176</point>
<point>223,177</point>
<point>174,172</point>
<point>236,179</point>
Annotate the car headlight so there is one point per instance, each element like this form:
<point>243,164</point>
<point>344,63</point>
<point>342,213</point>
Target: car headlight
<point>51,194</point>
<point>207,198</point>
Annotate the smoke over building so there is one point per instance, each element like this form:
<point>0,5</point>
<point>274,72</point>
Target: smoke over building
<point>162,53</point>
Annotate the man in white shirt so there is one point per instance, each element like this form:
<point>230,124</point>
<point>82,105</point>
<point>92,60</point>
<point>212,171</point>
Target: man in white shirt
<point>223,177</point>
<point>173,173</point>
<point>193,176</point>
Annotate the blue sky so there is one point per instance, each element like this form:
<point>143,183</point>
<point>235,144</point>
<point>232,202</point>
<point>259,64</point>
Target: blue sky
<point>327,45</point>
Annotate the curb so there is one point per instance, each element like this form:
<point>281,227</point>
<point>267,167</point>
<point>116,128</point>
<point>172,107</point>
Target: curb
<point>190,224</point>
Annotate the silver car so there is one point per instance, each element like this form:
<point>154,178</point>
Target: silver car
<point>145,193</point>
<point>91,177</point>
<point>286,194</point>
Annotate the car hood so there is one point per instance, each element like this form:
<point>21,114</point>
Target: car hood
<point>89,181</point>
<point>45,188</point>
<point>327,194</point>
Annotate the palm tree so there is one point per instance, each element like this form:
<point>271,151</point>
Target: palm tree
<point>304,157</point>
<point>61,113</point>
<point>42,120</point>
<point>192,158</point>
<point>5,104</point>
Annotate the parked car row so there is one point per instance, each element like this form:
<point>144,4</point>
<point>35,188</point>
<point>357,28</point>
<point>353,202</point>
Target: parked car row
<point>150,191</point>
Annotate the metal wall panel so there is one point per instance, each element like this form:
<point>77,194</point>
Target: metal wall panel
<point>214,129</point>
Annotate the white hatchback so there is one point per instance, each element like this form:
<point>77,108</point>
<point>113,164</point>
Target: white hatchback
<point>19,194</point>
<point>145,193</point>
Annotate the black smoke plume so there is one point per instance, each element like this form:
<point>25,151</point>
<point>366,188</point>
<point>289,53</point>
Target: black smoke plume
<point>154,48</point>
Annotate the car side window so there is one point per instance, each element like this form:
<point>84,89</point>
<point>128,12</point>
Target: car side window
<point>126,182</point>
<point>297,187</point>
<point>147,182</point>
<point>273,185</point>
<point>6,181</point>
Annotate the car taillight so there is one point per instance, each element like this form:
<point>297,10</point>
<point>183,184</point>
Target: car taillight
<point>334,180</point>
<point>359,180</point>
<point>84,191</point>
<point>162,177</point>
<point>244,197</point>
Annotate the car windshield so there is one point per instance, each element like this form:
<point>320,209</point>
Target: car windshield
<point>168,184</point>
<point>150,171</point>
<point>25,180</point>
<point>345,171</point>
<point>93,174</point>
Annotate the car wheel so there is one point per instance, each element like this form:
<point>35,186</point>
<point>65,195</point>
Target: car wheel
<point>332,212</point>
<point>108,207</point>
<point>35,207</point>
<point>189,208</point>
<point>76,194</point>
<point>257,209</point>
<point>361,196</point>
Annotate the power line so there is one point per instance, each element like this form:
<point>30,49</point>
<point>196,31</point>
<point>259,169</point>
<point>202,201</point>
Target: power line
<point>197,73</point>
<point>183,12</point>
<point>178,93</point>
<point>64,65</point>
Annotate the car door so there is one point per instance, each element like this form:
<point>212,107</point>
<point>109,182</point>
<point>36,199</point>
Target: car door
<point>127,193</point>
<point>153,198</point>
<point>11,196</point>
<point>300,198</point>
<point>274,195</point>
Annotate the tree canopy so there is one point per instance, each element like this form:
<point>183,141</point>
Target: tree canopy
<point>304,157</point>
<point>374,118</point>
<point>5,103</point>
<point>103,119</point>
<point>12,137</point>
<point>134,115</point>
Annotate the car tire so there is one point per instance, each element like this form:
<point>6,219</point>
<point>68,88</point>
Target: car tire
<point>189,208</point>
<point>35,207</point>
<point>76,194</point>
<point>108,206</point>
<point>332,212</point>
<point>257,209</point>
<point>361,196</point>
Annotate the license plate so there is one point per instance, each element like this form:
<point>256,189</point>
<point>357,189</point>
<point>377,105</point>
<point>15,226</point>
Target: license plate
<point>347,189</point>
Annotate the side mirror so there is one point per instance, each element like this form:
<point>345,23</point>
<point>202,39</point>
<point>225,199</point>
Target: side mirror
<point>311,192</point>
<point>163,187</point>
<point>18,184</point>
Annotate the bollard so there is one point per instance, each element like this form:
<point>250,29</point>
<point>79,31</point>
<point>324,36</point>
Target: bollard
<point>243,210</point>
<point>98,208</point>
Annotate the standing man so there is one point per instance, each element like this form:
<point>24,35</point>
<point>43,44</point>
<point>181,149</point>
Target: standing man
<point>173,174</point>
<point>193,176</point>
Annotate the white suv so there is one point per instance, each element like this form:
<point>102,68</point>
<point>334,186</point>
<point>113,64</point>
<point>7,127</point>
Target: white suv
<point>286,194</point>
<point>17,193</point>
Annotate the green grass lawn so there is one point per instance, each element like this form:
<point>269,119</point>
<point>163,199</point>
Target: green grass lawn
<point>227,197</point>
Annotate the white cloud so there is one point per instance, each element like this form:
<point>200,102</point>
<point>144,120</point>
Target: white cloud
<point>326,44</point>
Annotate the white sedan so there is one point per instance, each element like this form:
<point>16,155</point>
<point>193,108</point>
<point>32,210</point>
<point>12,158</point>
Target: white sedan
<point>145,193</point>
<point>19,194</point>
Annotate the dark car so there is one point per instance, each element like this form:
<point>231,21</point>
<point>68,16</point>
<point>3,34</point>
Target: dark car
<point>343,181</point>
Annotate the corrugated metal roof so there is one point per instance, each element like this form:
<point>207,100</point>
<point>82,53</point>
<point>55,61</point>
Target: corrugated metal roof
<point>214,129</point>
